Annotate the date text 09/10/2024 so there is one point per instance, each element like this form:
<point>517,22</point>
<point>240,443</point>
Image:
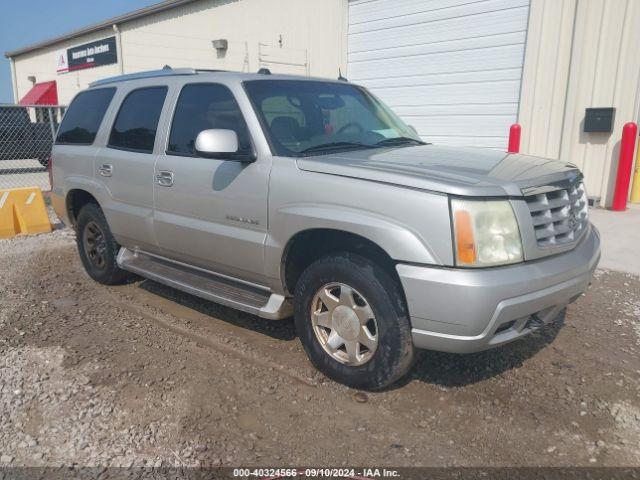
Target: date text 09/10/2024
<point>315,473</point>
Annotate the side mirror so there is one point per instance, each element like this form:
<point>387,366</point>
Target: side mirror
<point>221,143</point>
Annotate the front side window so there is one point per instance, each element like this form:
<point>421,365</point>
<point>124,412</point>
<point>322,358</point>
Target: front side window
<point>137,121</point>
<point>310,117</point>
<point>84,116</point>
<point>205,106</point>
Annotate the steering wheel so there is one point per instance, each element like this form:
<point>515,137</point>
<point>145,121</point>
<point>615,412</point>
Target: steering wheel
<point>349,125</point>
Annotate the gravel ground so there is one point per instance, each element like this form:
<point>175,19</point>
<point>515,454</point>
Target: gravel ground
<point>144,375</point>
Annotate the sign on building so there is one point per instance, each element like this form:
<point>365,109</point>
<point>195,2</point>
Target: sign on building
<point>89,55</point>
<point>62,63</point>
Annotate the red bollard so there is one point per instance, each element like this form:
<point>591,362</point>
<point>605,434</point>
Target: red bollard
<point>627,146</point>
<point>514,138</point>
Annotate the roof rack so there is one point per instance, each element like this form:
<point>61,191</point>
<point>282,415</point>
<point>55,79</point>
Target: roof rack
<point>165,72</point>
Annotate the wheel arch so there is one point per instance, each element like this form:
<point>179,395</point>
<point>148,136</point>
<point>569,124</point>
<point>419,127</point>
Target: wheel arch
<point>361,231</point>
<point>76,199</point>
<point>309,245</point>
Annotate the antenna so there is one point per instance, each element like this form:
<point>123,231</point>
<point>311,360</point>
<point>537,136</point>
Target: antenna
<point>264,71</point>
<point>340,77</point>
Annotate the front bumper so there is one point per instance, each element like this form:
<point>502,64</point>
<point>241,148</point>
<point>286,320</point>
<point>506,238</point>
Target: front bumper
<point>468,310</point>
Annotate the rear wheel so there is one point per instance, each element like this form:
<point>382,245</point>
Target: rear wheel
<point>352,320</point>
<point>97,247</point>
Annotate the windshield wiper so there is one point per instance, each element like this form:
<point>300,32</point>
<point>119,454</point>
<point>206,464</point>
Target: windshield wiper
<point>322,147</point>
<point>400,141</point>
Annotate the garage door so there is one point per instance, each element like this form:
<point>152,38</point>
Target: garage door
<point>450,68</point>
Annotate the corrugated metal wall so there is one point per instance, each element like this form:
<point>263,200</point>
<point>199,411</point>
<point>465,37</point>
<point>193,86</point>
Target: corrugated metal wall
<point>580,53</point>
<point>288,36</point>
<point>545,76</point>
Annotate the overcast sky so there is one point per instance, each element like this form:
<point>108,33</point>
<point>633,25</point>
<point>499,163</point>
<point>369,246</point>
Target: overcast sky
<point>29,21</point>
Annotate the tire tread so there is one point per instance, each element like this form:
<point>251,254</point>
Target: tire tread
<point>113,275</point>
<point>383,369</point>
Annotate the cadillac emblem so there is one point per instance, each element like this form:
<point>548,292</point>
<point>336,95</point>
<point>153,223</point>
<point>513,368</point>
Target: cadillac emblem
<point>573,221</point>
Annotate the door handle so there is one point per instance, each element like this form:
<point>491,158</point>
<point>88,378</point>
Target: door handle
<point>164,178</point>
<point>106,170</point>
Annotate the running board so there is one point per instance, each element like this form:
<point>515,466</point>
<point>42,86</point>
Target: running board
<point>205,284</point>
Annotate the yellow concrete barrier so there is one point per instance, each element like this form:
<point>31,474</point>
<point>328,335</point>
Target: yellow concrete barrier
<point>22,211</point>
<point>635,188</point>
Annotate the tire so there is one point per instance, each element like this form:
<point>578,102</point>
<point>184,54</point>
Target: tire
<point>99,258</point>
<point>368,285</point>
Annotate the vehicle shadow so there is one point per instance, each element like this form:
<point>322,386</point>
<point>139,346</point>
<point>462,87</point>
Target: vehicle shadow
<point>458,370</point>
<point>437,368</point>
<point>278,329</point>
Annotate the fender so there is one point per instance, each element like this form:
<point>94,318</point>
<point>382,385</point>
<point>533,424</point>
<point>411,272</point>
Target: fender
<point>60,195</point>
<point>102,194</point>
<point>399,242</point>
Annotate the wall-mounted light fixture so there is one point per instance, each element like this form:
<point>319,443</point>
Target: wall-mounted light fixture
<point>220,44</point>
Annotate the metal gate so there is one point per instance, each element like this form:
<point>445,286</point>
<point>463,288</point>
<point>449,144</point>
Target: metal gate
<point>26,138</point>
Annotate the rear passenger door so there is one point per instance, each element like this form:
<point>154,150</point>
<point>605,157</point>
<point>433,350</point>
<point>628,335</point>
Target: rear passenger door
<point>75,147</point>
<point>126,165</point>
<point>209,212</point>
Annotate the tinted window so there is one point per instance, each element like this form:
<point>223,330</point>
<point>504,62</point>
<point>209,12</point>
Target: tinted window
<point>82,120</point>
<point>311,117</point>
<point>202,107</point>
<point>137,121</point>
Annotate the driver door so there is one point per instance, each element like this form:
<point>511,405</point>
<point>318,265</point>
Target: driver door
<point>210,213</point>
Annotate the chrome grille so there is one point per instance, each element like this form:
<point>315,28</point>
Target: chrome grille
<point>559,216</point>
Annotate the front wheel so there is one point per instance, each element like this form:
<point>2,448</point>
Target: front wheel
<point>352,320</point>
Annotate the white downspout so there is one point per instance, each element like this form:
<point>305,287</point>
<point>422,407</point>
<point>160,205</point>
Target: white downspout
<point>119,48</point>
<point>14,80</point>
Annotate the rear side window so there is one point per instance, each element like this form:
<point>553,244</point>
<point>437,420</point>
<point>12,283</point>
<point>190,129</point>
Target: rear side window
<point>202,106</point>
<point>82,120</point>
<point>137,121</point>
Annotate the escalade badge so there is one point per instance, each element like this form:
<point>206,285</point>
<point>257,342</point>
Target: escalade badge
<point>251,221</point>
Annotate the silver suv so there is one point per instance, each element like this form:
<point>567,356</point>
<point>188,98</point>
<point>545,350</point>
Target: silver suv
<point>280,195</point>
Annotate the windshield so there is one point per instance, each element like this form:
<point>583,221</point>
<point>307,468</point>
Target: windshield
<point>311,117</point>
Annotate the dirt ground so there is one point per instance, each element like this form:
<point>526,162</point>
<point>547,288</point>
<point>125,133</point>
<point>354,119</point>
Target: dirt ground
<point>144,375</point>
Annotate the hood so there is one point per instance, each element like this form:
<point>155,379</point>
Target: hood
<point>453,170</point>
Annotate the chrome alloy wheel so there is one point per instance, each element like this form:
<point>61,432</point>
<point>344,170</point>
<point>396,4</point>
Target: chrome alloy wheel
<point>95,244</point>
<point>344,324</point>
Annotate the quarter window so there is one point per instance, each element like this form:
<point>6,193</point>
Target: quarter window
<point>137,121</point>
<point>84,116</point>
<point>202,107</point>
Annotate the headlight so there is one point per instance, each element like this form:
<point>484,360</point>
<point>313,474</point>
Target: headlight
<point>486,233</point>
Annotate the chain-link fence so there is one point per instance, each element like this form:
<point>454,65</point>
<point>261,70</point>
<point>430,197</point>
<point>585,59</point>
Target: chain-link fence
<point>26,137</point>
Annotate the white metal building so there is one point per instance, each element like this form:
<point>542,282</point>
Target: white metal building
<point>460,71</point>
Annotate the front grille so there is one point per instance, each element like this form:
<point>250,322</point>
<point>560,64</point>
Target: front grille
<point>559,216</point>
